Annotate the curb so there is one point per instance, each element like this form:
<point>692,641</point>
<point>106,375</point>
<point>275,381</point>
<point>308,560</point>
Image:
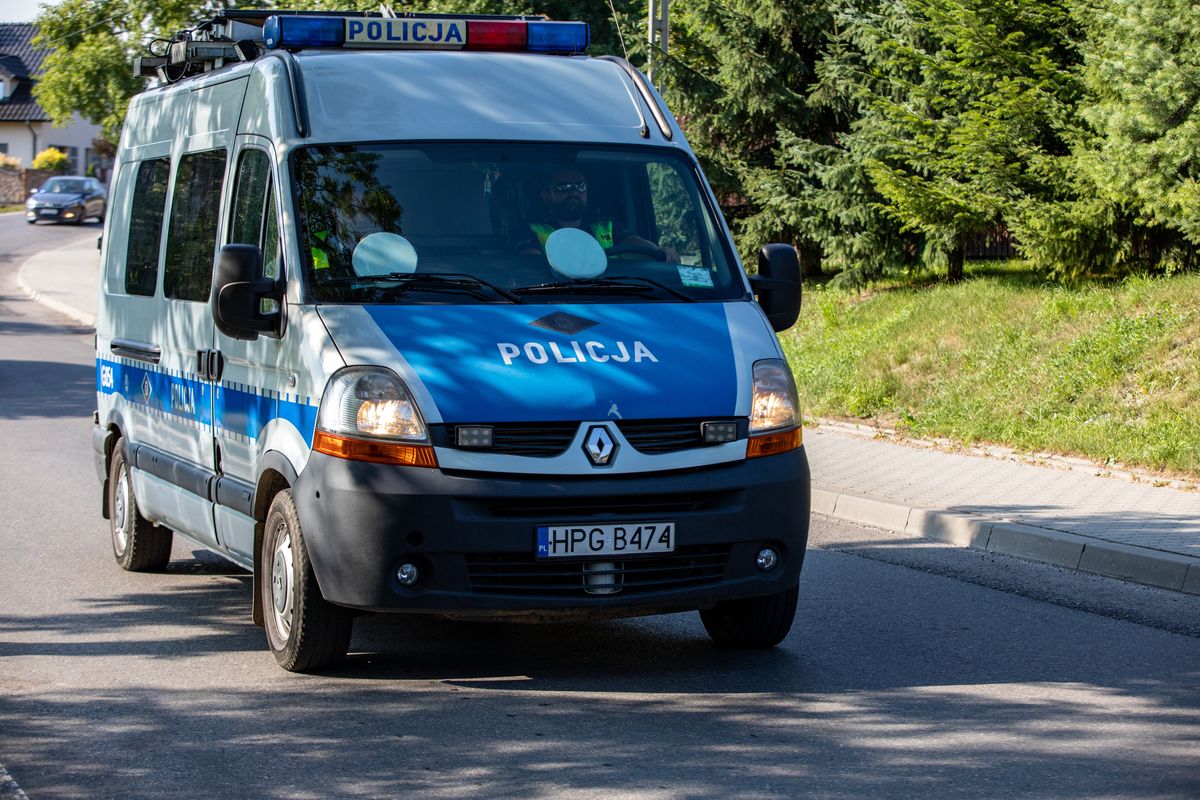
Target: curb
<point>1156,568</point>
<point>9,788</point>
<point>75,315</point>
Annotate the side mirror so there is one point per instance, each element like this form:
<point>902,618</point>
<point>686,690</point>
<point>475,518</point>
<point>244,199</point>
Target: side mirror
<point>238,291</point>
<point>777,284</point>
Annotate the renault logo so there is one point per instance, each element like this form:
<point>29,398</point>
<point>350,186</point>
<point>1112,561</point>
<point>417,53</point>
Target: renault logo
<point>599,446</point>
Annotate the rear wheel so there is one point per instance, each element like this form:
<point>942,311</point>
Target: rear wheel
<point>753,622</point>
<point>138,544</point>
<point>304,631</point>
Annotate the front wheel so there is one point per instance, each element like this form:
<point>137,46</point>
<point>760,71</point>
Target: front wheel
<point>138,544</point>
<point>304,631</point>
<point>753,622</point>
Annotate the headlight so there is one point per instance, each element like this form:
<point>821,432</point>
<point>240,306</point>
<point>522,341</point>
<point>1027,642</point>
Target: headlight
<point>775,402</point>
<point>31,203</point>
<point>370,402</point>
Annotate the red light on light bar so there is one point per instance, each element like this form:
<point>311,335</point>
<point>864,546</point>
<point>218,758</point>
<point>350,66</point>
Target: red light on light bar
<point>491,35</point>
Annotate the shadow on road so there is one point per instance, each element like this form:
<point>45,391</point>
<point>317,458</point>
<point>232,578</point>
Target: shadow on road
<point>906,689</point>
<point>46,389</point>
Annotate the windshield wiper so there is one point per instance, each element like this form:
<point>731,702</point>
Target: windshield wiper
<point>435,281</point>
<point>622,285</point>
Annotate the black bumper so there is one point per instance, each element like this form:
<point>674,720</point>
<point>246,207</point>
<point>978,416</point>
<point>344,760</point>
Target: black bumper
<point>472,535</point>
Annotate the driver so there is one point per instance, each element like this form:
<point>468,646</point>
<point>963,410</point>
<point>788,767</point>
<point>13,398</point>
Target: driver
<point>565,196</point>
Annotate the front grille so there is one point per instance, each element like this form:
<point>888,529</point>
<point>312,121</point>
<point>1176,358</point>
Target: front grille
<point>535,439</point>
<point>656,436</point>
<point>638,506</point>
<point>548,439</point>
<point>510,574</point>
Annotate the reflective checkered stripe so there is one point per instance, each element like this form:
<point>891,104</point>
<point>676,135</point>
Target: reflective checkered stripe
<point>240,411</point>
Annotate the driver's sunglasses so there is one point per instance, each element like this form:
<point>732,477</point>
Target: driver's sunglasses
<point>563,188</point>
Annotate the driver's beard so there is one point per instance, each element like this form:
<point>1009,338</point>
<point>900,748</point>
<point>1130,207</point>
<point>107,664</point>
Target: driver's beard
<point>570,210</point>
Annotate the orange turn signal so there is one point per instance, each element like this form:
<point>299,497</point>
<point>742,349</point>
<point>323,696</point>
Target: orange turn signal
<point>771,443</point>
<point>409,455</point>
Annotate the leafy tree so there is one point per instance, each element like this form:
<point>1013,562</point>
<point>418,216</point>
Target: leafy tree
<point>93,44</point>
<point>52,160</point>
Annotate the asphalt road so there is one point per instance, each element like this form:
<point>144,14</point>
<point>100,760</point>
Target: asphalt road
<point>914,670</point>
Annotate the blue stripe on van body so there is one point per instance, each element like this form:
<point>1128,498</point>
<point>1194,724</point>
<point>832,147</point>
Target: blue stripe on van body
<point>597,372</point>
<point>240,411</point>
<point>245,413</point>
<point>157,390</point>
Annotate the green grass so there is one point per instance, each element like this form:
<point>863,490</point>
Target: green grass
<point>5,209</point>
<point>1110,371</point>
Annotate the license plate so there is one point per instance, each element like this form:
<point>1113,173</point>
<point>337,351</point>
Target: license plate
<point>50,212</point>
<point>579,540</point>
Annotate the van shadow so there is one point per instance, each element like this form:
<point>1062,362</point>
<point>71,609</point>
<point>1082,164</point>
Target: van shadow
<point>899,691</point>
<point>41,389</point>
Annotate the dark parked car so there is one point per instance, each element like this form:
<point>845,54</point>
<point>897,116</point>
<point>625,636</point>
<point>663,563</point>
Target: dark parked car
<point>67,199</point>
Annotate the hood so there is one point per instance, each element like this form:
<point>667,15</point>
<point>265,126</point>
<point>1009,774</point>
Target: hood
<point>57,198</point>
<point>546,363</point>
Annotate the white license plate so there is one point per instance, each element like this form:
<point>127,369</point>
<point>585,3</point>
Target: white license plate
<point>50,212</point>
<point>580,540</point>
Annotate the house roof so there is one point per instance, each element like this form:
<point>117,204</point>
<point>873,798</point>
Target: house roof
<point>20,58</point>
<point>17,52</point>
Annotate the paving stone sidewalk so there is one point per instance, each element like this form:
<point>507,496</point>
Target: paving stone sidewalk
<point>1133,530</point>
<point>1156,517</point>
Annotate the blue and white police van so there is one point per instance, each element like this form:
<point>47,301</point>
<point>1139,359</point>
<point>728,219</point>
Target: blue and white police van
<point>431,314</point>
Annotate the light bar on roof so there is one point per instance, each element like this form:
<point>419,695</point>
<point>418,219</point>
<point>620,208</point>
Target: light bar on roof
<point>425,33</point>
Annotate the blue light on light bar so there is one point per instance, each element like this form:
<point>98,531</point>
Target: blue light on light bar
<point>559,37</point>
<point>288,31</point>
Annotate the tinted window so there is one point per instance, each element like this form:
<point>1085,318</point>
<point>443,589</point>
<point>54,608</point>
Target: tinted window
<point>192,237</point>
<point>145,226</point>
<point>63,186</point>
<point>253,178</point>
<point>487,210</point>
<point>254,220</point>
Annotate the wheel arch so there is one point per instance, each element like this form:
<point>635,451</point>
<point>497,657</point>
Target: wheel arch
<point>275,474</point>
<point>114,431</point>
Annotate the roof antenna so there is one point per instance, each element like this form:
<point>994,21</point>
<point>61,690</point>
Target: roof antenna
<point>620,35</point>
<point>386,11</point>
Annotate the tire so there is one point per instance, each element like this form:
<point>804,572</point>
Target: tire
<point>138,544</point>
<point>752,623</point>
<point>304,631</point>
<point>32,221</point>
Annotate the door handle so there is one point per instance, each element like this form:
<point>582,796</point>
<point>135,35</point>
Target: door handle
<point>202,364</point>
<point>216,365</point>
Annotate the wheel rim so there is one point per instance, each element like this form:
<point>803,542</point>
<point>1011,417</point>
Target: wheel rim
<point>283,582</point>
<point>121,514</point>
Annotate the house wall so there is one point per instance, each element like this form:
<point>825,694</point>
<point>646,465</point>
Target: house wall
<point>16,139</point>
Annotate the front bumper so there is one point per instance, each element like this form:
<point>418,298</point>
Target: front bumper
<point>44,213</point>
<point>472,535</point>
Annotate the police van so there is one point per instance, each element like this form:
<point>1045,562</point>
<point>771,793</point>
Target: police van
<point>437,314</point>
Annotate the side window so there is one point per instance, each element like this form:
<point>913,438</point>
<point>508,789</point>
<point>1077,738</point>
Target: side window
<point>192,235</point>
<point>145,226</point>
<point>254,220</point>
<point>674,212</point>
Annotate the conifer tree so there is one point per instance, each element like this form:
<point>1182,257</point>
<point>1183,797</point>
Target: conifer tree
<point>966,105</point>
<point>739,73</point>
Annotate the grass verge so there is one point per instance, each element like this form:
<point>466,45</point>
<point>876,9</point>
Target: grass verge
<point>1107,371</point>
<point>5,209</point>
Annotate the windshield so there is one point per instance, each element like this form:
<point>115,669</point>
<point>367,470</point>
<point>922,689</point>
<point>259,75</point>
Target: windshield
<point>498,222</point>
<point>63,186</point>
